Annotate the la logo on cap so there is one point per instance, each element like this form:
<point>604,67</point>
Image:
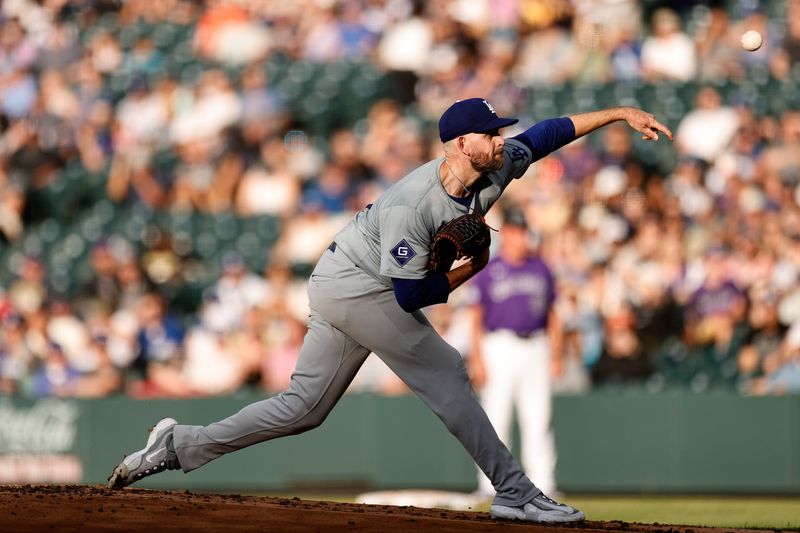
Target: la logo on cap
<point>473,115</point>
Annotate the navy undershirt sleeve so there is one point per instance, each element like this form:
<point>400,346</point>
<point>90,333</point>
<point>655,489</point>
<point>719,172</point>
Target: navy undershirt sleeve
<point>547,136</point>
<point>413,294</point>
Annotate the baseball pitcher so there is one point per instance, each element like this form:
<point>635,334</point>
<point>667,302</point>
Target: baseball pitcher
<point>366,293</point>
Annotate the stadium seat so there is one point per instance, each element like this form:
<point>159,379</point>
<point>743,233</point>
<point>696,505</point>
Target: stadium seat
<point>626,93</point>
<point>268,227</point>
<point>164,36</point>
<point>252,249</point>
<point>207,245</point>
<point>584,98</point>
<point>226,226</point>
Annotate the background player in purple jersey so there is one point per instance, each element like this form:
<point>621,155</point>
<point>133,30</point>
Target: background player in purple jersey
<point>516,349</point>
<point>716,306</point>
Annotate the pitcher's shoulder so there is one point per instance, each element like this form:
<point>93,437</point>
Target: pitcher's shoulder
<point>415,189</point>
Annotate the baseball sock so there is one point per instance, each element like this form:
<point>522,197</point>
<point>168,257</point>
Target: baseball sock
<point>172,456</point>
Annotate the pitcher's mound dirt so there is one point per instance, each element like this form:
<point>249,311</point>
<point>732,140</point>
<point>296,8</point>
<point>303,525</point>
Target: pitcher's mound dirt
<point>42,508</point>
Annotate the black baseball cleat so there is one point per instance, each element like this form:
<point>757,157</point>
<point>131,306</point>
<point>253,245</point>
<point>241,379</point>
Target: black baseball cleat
<point>540,509</point>
<point>155,457</point>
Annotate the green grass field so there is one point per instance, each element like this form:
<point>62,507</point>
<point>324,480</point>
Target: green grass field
<point>719,511</point>
<point>762,512</point>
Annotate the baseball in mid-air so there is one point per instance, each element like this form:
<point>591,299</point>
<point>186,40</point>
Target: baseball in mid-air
<point>751,40</point>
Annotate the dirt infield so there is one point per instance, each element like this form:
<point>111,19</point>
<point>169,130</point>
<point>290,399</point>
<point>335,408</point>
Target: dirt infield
<point>79,509</point>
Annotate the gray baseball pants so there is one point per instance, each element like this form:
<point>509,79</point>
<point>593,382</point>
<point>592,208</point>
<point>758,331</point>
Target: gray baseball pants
<point>352,314</point>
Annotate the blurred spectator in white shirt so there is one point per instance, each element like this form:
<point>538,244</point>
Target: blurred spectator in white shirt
<point>709,128</point>
<point>269,187</point>
<point>405,51</point>
<point>236,292</point>
<point>668,53</point>
<point>215,107</point>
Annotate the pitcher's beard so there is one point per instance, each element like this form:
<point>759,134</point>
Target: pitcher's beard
<point>486,163</point>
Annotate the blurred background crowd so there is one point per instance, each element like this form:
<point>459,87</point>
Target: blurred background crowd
<point>170,170</point>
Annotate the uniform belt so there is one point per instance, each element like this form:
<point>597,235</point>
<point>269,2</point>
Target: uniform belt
<point>520,334</point>
<point>342,254</point>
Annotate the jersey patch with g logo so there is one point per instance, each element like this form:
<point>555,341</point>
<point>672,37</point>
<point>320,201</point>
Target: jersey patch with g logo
<point>402,253</point>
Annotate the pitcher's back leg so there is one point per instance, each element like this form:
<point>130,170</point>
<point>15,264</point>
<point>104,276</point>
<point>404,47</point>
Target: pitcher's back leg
<point>328,362</point>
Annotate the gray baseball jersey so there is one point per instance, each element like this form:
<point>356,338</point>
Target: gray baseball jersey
<point>391,238</point>
<point>354,312</point>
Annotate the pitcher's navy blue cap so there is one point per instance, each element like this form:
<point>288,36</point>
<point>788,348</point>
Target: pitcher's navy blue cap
<point>473,115</point>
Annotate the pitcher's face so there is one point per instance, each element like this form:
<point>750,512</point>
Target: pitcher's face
<point>486,151</point>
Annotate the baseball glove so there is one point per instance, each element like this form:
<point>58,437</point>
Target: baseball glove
<point>464,236</point>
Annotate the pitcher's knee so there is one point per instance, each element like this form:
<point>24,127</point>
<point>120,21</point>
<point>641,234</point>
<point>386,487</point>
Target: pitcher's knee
<point>310,420</point>
<point>300,413</point>
<point>460,405</point>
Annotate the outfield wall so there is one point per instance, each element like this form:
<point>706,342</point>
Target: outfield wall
<point>607,442</point>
